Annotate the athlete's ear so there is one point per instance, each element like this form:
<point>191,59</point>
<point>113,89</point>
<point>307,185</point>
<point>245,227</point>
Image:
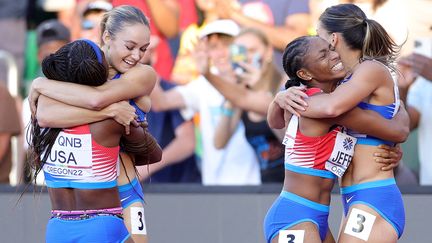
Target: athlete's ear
<point>303,74</point>
<point>105,38</point>
<point>334,40</point>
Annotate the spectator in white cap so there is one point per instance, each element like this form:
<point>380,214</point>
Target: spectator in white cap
<point>236,163</point>
<point>91,19</point>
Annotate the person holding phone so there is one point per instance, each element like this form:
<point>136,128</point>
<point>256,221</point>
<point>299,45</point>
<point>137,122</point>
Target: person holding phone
<point>251,58</point>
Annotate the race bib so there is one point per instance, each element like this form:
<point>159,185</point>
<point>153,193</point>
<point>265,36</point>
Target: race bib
<point>71,156</point>
<point>291,236</point>
<point>138,221</point>
<point>342,154</point>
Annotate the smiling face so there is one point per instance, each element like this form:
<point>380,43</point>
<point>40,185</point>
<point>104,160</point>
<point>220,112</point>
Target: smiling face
<point>218,51</point>
<point>127,47</point>
<point>323,64</point>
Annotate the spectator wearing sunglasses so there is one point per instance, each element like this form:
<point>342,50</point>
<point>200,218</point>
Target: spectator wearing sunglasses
<point>91,18</point>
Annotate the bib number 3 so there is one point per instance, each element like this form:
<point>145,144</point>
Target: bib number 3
<point>359,224</point>
<point>291,236</point>
<point>138,221</point>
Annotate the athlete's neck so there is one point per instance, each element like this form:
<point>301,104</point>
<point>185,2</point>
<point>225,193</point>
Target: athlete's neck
<point>350,60</point>
<point>112,72</point>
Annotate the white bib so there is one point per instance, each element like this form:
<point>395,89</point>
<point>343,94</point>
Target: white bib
<point>342,154</point>
<point>71,156</point>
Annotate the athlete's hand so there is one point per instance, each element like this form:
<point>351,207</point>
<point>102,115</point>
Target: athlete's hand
<point>123,113</point>
<point>34,95</point>
<point>388,156</point>
<point>292,99</point>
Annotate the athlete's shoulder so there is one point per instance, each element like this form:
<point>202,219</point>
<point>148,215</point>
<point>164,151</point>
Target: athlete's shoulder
<point>107,132</point>
<point>371,71</point>
<point>141,73</point>
<point>142,69</point>
<point>373,67</point>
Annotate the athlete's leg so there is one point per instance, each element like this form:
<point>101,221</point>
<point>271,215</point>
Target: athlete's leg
<point>329,237</point>
<point>364,224</point>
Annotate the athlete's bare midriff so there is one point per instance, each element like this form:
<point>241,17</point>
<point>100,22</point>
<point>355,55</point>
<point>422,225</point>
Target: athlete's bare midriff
<point>363,167</point>
<point>314,188</point>
<point>82,199</point>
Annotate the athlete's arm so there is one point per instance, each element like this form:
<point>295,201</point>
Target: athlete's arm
<point>142,145</point>
<point>275,115</point>
<point>367,78</point>
<point>138,81</point>
<point>371,123</point>
<point>52,113</point>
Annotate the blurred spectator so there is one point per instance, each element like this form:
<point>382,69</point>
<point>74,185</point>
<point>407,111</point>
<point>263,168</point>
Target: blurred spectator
<point>248,100</point>
<point>185,68</point>
<point>418,97</point>
<point>236,163</point>
<point>13,33</point>
<point>67,12</point>
<point>50,36</point>
<point>281,20</point>
<point>10,125</point>
<point>175,136</point>
<point>419,25</point>
<point>91,19</point>
<point>164,23</point>
<point>188,15</point>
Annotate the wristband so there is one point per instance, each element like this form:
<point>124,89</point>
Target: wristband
<point>227,112</point>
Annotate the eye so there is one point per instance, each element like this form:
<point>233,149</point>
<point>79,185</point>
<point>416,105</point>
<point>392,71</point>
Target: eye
<point>144,49</point>
<point>129,48</point>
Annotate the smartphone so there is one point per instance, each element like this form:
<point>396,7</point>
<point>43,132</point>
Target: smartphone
<point>423,46</point>
<point>238,54</point>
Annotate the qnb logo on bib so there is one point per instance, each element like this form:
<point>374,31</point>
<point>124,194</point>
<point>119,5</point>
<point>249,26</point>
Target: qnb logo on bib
<point>342,154</point>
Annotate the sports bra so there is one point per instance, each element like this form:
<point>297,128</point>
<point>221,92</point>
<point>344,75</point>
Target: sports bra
<point>78,161</point>
<point>140,113</point>
<point>386,111</point>
<point>324,156</point>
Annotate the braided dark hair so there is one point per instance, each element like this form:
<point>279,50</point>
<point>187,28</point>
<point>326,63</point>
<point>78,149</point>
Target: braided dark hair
<point>293,60</point>
<point>80,62</point>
